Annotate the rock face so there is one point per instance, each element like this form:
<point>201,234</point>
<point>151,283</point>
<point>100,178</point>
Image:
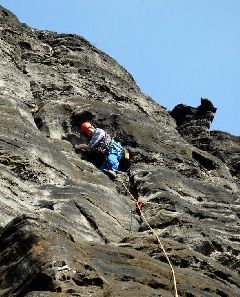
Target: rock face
<point>194,123</point>
<point>66,229</point>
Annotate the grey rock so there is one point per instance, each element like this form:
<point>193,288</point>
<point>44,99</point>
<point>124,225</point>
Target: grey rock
<point>66,228</point>
<point>50,263</point>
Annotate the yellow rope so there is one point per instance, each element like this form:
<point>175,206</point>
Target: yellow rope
<point>158,239</point>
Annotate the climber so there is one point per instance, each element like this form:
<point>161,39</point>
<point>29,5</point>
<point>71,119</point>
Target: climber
<point>101,141</point>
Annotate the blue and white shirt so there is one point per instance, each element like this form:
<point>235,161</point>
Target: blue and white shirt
<point>100,139</point>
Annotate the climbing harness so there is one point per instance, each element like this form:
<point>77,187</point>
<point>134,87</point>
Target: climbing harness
<point>157,237</point>
<point>117,145</point>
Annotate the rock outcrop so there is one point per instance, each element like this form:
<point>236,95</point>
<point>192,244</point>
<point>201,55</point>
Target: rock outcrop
<point>66,228</point>
<point>194,123</point>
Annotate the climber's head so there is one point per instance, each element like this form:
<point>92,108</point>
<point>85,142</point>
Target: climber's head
<point>87,128</point>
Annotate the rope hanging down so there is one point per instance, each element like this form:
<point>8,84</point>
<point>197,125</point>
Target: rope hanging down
<point>158,239</point>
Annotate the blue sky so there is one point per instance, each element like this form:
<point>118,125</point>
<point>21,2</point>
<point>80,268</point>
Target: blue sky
<point>177,50</point>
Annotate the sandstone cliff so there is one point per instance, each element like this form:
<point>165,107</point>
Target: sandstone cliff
<point>66,228</point>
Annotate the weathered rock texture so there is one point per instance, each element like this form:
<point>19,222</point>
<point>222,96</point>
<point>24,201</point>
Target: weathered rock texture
<point>66,229</point>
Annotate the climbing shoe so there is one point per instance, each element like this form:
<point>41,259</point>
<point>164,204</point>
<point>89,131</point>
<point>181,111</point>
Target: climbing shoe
<point>110,173</point>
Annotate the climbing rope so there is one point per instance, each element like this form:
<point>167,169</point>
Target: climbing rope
<point>157,237</point>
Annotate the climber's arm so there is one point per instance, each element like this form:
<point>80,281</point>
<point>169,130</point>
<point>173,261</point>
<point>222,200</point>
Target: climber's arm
<point>83,146</point>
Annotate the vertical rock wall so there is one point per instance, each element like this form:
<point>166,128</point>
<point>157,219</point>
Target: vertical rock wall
<point>66,229</point>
